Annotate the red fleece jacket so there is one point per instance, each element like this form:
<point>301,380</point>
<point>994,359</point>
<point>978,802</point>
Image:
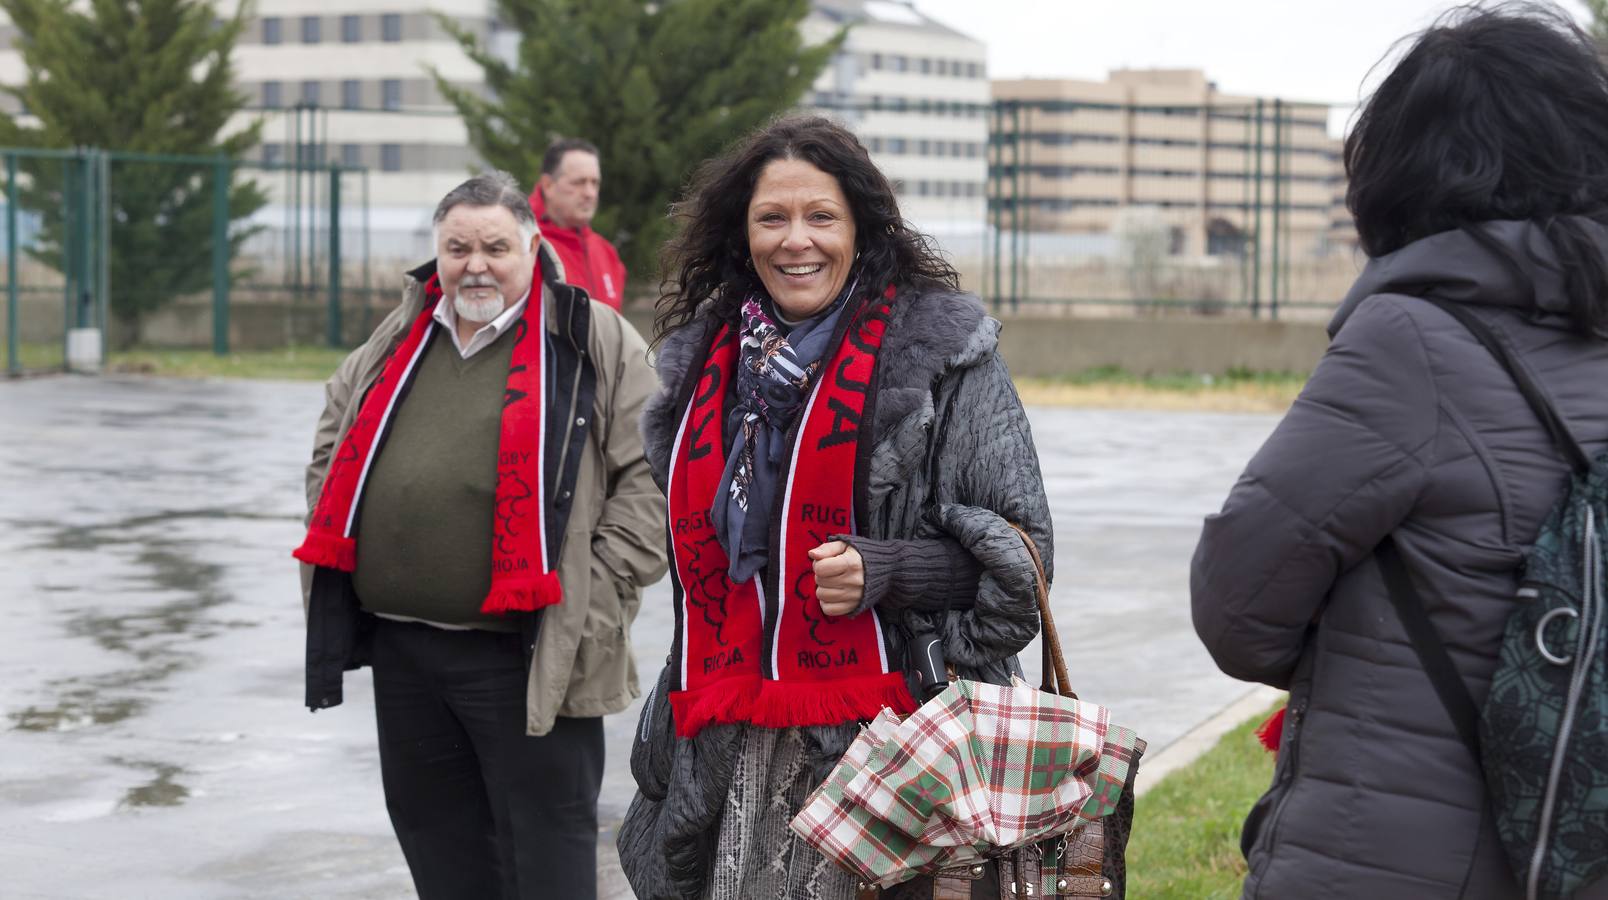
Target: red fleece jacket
<point>590,262</point>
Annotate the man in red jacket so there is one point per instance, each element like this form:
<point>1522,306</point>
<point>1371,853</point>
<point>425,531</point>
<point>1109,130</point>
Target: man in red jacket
<point>564,201</point>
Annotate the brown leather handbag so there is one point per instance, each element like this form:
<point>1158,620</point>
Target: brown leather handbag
<point>1088,862</point>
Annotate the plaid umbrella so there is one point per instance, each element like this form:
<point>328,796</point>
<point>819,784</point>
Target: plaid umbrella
<point>978,769</point>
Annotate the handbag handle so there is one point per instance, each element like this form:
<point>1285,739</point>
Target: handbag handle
<point>1055,680</point>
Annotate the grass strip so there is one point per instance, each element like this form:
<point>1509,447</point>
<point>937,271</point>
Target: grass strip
<point>1237,390</point>
<point>1104,388</point>
<point>1185,843</point>
<point>307,363</point>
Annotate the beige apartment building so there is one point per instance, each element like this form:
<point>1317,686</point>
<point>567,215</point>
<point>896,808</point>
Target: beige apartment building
<point>1077,156</point>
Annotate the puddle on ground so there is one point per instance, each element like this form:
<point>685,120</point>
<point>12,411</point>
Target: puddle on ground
<point>159,791</point>
<point>76,709</point>
<point>160,639</point>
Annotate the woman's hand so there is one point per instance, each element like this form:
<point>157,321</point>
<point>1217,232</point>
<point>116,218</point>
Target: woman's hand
<point>839,577</point>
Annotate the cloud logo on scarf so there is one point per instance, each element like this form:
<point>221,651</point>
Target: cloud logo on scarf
<point>807,593</point>
<point>513,496</point>
<point>712,585</point>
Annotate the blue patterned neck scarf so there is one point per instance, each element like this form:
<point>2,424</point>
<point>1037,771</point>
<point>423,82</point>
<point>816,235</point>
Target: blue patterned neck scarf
<point>775,368</point>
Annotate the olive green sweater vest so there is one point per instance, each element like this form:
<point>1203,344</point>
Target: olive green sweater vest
<point>425,530</point>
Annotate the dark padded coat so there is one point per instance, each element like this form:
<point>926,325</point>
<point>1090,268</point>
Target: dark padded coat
<point>941,389</point>
<point>1408,428</point>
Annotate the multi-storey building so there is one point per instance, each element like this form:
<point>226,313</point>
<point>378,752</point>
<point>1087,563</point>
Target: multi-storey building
<point>1072,155</point>
<point>349,82</point>
<point>916,92</point>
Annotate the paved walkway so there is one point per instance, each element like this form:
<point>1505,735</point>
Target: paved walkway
<point>152,737</point>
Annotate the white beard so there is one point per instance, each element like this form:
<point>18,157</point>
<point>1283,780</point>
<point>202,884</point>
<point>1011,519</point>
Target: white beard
<point>481,311</point>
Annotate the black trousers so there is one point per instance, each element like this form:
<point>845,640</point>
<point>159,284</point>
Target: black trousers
<point>482,810</point>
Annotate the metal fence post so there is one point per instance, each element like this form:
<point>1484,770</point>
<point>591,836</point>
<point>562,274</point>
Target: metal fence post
<point>220,257</point>
<point>1016,202</point>
<point>997,179</point>
<point>334,222</point>
<point>103,268</point>
<point>1027,227</point>
<point>69,235</point>
<point>13,340</point>
<point>1278,191</point>
<point>85,238</point>
<point>1256,243</point>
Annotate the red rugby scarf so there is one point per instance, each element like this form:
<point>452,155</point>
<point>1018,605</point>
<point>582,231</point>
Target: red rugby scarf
<point>522,578</point>
<point>759,654</point>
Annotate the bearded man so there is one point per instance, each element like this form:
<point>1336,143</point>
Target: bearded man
<point>482,522</point>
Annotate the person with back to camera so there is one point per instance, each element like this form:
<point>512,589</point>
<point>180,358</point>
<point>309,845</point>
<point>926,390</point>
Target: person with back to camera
<point>1478,177</point>
<point>844,456</point>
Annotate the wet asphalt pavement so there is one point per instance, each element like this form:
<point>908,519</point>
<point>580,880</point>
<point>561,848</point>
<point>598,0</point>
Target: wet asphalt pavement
<point>153,742</point>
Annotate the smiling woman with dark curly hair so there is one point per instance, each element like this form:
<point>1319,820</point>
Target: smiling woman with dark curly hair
<point>836,431</point>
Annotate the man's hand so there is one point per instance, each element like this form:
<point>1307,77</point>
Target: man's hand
<point>839,577</point>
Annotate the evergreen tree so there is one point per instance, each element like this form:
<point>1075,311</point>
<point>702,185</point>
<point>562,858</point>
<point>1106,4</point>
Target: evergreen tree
<point>142,76</point>
<point>1599,19</point>
<point>657,85</point>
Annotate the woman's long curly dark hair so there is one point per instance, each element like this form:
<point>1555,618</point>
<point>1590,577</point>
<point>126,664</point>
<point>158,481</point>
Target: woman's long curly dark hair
<point>708,259</point>
<point>1494,113</point>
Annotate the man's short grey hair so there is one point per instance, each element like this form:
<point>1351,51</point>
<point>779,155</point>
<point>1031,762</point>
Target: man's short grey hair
<point>494,188</point>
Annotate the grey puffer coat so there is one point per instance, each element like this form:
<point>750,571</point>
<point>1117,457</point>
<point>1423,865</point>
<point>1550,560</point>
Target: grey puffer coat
<point>941,390</point>
<point>1408,428</point>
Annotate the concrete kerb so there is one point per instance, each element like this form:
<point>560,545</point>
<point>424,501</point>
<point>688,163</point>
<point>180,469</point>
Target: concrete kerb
<point>1158,764</point>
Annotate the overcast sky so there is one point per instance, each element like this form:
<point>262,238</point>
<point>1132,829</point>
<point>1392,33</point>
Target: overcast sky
<point>1318,50</point>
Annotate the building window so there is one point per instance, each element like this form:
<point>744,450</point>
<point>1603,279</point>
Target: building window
<point>271,154</point>
<point>391,93</point>
<point>310,93</point>
<point>311,32</point>
<point>974,70</point>
<point>391,27</point>
<point>352,155</point>
<point>923,147</point>
<point>390,157</point>
<point>896,146</point>
<point>874,144</point>
<point>351,29</point>
<point>898,63</point>
<point>925,66</point>
<point>270,30</point>
<point>876,61</point>
<point>351,95</point>
<point>943,67</point>
<point>270,95</point>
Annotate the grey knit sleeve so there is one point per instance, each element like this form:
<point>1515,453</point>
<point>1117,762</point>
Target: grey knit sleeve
<point>926,573</point>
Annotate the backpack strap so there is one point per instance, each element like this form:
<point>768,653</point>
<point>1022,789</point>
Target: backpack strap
<point>1562,438</point>
<point>1404,596</point>
<point>1426,641</point>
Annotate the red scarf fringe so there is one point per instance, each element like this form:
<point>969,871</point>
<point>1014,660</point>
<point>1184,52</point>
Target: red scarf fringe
<point>1271,732</point>
<point>780,704</point>
<point>524,595</point>
<point>328,550</point>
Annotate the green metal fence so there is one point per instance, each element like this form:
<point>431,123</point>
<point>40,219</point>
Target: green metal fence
<point>171,250</point>
<point>1111,208</point>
